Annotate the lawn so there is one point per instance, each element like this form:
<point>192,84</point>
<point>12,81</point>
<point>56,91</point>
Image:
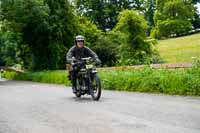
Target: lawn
<point>181,49</point>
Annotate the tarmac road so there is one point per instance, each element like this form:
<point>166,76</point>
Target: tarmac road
<point>28,107</point>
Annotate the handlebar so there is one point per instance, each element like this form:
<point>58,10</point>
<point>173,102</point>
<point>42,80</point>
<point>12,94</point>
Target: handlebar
<point>90,59</point>
<point>84,60</point>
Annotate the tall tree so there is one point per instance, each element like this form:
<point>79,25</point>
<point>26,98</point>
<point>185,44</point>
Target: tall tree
<point>62,29</point>
<point>149,14</point>
<point>104,12</point>
<point>195,1</point>
<point>196,19</point>
<point>133,25</point>
<point>172,17</point>
<point>46,26</point>
<point>8,49</point>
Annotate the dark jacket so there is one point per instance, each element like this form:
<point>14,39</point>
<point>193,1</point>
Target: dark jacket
<point>79,53</point>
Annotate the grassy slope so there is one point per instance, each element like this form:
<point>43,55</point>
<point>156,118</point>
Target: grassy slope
<point>180,49</point>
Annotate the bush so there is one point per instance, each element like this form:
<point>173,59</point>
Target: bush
<point>89,31</point>
<point>174,82</point>
<point>58,77</point>
<point>106,50</point>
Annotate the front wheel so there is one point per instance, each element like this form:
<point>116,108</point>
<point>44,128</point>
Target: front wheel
<point>78,86</point>
<point>78,94</point>
<point>95,90</point>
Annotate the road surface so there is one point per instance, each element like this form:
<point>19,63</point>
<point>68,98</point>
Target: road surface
<point>27,107</point>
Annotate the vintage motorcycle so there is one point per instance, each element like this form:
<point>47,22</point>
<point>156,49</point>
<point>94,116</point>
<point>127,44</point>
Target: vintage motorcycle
<point>87,79</point>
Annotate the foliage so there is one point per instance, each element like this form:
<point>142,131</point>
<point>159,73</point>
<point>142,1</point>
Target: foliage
<point>38,33</point>
<point>106,50</point>
<point>196,20</point>
<point>8,49</point>
<point>157,81</point>
<point>175,82</point>
<point>136,50</point>
<point>57,77</point>
<point>46,26</point>
<point>149,14</point>
<point>89,31</point>
<point>104,13</point>
<point>172,18</point>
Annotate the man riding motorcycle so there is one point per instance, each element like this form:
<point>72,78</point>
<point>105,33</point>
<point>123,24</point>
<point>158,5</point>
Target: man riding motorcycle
<point>78,51</point>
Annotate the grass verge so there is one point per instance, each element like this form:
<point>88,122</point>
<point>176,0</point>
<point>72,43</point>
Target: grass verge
<point>54,77</point>
<point>174,82</point>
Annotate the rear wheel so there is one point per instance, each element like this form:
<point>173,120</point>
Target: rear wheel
<point>95,88</point>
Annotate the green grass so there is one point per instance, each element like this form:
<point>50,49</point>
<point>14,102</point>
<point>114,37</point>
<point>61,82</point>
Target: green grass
<point>175,82</point>
<point>55,77</point>
<point>180,49</point>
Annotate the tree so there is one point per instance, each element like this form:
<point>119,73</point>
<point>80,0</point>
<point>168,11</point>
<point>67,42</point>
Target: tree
<point>106,49</point>
<point>196,19</point>
<point>172,18</point>
<point>104,13</point>
<point>89,31</point>
<point>136,50</point>
<point>8,49</point>
<point>47,28</point>
<point>62,29</point>
<point>149,14</point>
<point>195,1</point>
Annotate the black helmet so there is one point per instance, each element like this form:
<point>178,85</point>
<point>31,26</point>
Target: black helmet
<point>79,38</point>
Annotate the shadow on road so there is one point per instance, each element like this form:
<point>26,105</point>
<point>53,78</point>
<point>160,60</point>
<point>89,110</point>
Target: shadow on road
<point>84,99</point>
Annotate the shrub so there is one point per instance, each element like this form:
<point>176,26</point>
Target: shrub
<point>106,50</point>
<point>175,82</point>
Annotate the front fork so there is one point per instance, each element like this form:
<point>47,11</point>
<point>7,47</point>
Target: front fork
<point>90,79</point>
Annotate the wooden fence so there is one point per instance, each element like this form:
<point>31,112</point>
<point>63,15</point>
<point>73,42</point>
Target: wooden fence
<point>182,65</point>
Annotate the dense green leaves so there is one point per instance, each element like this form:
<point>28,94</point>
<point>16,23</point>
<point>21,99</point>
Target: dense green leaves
<point>38,33</point>
<point>107,50</point>
<point>136,50</point>
<point>104,13</point>
<point>89,31</point>
<point>8,49</point>
<point>172,18</point>
<point>47,27</point>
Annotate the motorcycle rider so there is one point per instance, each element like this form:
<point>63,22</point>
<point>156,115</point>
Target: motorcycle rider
<point>78,51</point>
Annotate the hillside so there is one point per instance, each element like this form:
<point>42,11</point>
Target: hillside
<point>181,49</point>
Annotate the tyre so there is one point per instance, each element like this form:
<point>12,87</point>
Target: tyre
<point>78,86</point>
<point>95,88</point>
<point>78,94</point>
